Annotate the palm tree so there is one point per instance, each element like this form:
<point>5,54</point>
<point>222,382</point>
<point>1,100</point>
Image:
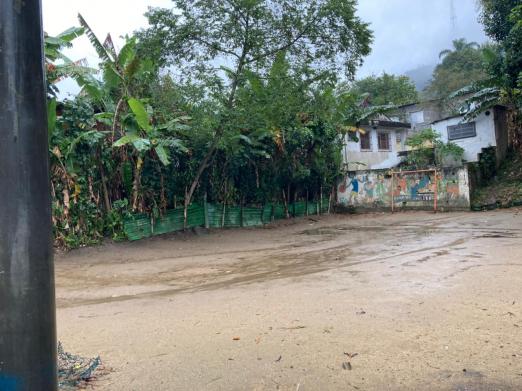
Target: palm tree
<point>459,45</point>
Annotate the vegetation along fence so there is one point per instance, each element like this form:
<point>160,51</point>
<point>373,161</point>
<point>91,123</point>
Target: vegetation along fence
<point>208,215</point>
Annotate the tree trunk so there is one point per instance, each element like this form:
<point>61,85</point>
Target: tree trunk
<point>285,204</point>
<point>330,200</point>
<point>307,202</point>
<point>321,200</point>
<point>241,223</point>
<point>229,104</point>
<point>163,199</point>
<point>203,165</point>
<point>136,184</point>
<point>104,184</point>
<point>224,205</point>
<point>117,111</point>
<point>185,209</point>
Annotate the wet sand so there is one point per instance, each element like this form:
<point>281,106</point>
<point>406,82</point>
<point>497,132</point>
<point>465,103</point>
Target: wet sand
<point>413,301</point>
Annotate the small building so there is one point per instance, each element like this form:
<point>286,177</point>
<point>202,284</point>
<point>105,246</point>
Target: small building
<point>487,130</point>
<point>374,180</point>
<point>377,146</point>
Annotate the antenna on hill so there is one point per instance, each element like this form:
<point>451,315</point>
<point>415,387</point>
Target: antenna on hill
<point>453,16</point>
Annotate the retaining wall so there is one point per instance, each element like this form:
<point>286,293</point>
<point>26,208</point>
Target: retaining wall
<point>373,190</point>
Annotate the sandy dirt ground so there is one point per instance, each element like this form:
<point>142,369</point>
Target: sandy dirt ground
<point>411,301</point>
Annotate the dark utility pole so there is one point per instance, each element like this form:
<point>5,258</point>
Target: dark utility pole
<point>27,311</point>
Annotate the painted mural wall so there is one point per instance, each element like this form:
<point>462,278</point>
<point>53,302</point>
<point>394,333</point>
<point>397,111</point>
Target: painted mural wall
<point>374,189</point>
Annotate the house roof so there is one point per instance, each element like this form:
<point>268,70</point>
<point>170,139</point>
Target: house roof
<point>389,124</point>
<point>419,103</point>
<point>447,118</point>
<point>462,115</point>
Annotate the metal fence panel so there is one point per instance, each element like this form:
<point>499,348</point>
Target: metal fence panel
<point>137,227</point>
<point>252,217</point>
<point>142,226</point>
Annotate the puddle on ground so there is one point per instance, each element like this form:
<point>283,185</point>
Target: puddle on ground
<point>496,236</point>
<point>321,231</point>
<point>340,230</point>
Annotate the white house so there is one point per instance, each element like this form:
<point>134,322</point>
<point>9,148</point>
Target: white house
<point>488,129</point>
<point>381,140</point>
<point>377,146</point>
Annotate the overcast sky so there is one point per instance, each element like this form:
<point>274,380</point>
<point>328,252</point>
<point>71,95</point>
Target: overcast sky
<point>408,33</point>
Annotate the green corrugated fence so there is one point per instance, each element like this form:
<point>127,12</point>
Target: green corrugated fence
<point>266,216</point>
<point>138,227</point>
<point>215,215</point>
<point>253,217</point>
<point>141,226</point>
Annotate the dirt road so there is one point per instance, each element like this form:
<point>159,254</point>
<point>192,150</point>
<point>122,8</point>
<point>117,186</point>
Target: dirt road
<point>413,301</point>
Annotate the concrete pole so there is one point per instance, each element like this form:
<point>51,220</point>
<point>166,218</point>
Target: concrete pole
<point>27,307</point>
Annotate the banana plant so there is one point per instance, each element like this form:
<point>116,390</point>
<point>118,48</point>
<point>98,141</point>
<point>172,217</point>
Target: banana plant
<point>357,111</point>
<point>145,137</point>
<point>58,65</point>
<point>122,71</point>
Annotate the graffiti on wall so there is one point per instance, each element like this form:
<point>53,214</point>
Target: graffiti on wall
<point>414,187</point>
<point>375,188</point>
<point>364,189</point>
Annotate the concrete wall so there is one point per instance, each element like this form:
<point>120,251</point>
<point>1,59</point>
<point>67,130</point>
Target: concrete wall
<point>355,159</point>
<point>486,136</point>
<point>431,111</point>
<point>373,189</point>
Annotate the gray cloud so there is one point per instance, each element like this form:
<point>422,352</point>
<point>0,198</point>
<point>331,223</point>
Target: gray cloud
<point>408,33</point>
<point>411,33</point>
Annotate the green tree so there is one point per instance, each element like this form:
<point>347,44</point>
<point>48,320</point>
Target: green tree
<point>322,37</point>
<point>290,136</point>
<point>459,45</point>
<point>426,149</point>
<point>502,20</point>
<point>460,66</point>
<point>124,74</point>
<point>251,114</point>
<point>495,16</point>
<point>145,137</point>
<point>58,65</point>
<point>387,89</point>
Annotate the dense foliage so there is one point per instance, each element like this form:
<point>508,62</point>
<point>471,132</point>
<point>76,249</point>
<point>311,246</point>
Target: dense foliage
<point>427,149</point>
<point>387,89</point>
<point>234,101</point>
<point>502,20</point>
<point>461,66</point>
<point>217,44</point>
